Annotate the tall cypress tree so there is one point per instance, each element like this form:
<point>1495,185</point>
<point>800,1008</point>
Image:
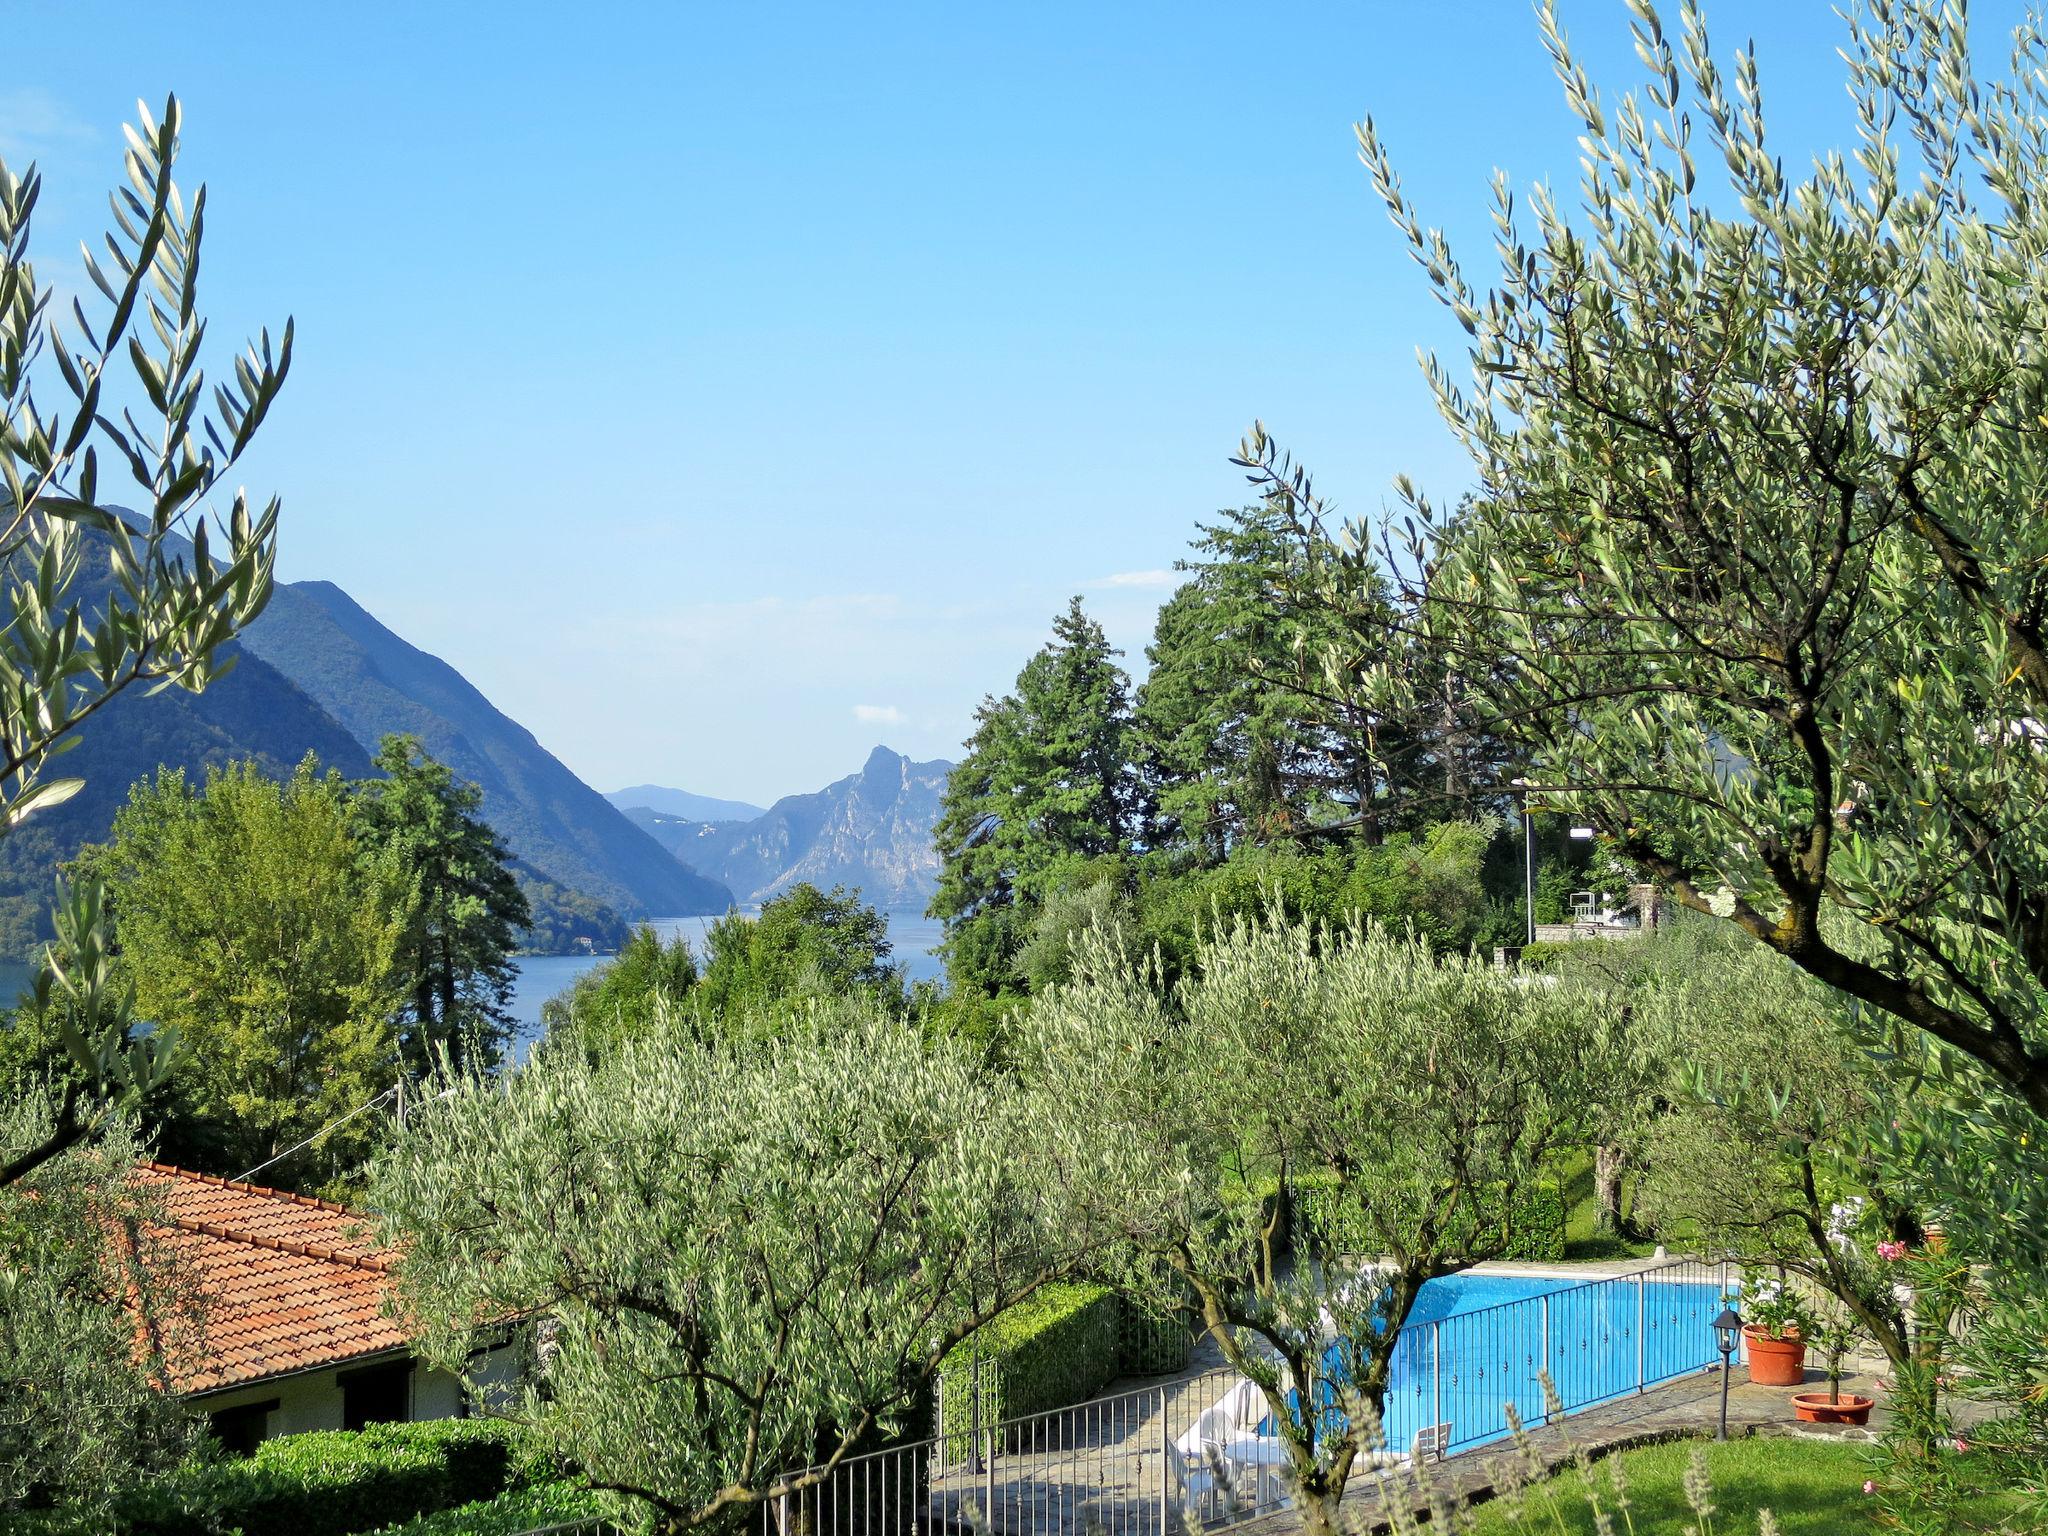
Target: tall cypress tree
<point>456,960</point>
<point>1047,781</point>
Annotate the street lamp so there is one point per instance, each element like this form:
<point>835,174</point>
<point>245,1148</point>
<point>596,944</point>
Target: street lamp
<point>1726,1327</point>
<point>1528,862</point>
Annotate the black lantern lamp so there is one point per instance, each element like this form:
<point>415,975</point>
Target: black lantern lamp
<point>1726,1327</point>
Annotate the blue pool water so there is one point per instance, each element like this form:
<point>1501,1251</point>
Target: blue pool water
<point>1475,1344</point>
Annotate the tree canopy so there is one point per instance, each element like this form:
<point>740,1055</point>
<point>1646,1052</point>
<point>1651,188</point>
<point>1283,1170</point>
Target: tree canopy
<point>1757,552</point>
<point>1417,1094</point>
<point>1047,782</point>
<point>752,1251</point>
<point>254,924</point>
<point>466,908</point>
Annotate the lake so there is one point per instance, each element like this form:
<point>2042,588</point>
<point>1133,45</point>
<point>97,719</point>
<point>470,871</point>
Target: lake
<point>537,978</point>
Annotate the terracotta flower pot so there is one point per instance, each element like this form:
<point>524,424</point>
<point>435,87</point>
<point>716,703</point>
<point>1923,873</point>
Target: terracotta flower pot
<point>1776,1362</point>
<point>1817,1408</point>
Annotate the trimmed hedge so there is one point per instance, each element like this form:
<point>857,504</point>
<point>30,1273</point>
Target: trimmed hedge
<point>332,1482</point>
<point>1050,1350</point>
<point>1535,1223</point>
<point>509,1514</point>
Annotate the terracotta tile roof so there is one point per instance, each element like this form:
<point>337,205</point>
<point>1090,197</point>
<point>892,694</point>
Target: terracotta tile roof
<point>293,1283</point>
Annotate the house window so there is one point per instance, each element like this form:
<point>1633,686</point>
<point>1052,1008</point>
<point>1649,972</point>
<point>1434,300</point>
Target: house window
<point>241,1428</point>
<point>376,1394</point>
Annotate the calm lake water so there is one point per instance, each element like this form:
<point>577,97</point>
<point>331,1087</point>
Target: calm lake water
<point>536,978</point>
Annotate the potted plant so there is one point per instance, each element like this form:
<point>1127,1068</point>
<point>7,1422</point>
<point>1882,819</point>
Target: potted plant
<point>1774,1328</point>
<point>1833,1336</point>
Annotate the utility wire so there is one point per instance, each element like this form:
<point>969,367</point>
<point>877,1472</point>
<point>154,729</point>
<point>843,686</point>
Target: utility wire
<point>331,1125</point>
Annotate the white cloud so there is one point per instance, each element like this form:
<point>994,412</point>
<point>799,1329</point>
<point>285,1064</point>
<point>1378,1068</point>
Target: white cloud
<point>1135,579</point>
<point>878,714</point>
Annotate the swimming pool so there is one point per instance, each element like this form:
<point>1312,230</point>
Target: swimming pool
<point>1474,1344</point>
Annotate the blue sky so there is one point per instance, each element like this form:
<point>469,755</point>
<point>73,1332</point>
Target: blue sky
<point>724,390</point>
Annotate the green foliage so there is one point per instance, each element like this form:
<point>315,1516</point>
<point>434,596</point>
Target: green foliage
<point>561,921</point>
<point>332,1482</point>
<point>1058,1347</point>
<point>1790,650</point>
<point>454,967</point>
<point>254,925</point>
<point>1047,783</point>
<point>82,1417</point>
<point>1412,1093</point>
<point>754,1247</point>
<point>635,993</point>
<point>511,1513</point>
<point>172,605</point>
<point>338,1481</point>
<point>804,943</point>
<point>1535,1224</point>
<point>169,606</point>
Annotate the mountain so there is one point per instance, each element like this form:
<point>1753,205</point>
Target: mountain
<point>374,683</point>
<point>681,804</point>
<point>254,713</point>
<point>872,829</point>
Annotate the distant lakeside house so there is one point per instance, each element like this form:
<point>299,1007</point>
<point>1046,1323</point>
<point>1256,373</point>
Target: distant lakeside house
<point>297,1335</point>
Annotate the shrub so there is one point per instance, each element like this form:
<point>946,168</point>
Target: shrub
<point>1535,1223</point>
<point>512,1512</point>
<point>330,1482</point>
<point>1051,1350</point>
<point>1151,1343</point>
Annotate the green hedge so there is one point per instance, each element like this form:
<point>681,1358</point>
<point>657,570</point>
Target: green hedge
<point>509,1514</point>
<point>1053,1349</point>
<point>332,1482</point>
<point>1535,1223</point>
<point>1151,1343</point>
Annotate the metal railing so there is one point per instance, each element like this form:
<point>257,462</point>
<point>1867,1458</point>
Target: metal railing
<point>1132,1464</point>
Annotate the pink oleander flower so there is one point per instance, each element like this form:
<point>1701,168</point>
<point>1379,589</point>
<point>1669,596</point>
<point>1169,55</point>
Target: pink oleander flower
<point>1891,1252</point>
<point>1869,1486</point>
<point>1960,1444</point>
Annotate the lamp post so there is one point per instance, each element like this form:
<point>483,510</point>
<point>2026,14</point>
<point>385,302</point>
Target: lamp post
<point>1528,863</point>
<point>1726,1327</point>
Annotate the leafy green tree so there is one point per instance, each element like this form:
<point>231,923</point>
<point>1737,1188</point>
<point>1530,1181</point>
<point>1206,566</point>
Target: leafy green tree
<point>466,911</point>
<point>1047,782</point>
<point>804,943</point>
<point>1264,716</point>
<point>181,586</point>
<point>1417,1095</point>
<point>753,1251</point>
<point>254,924</point>
<point>94,1312</point>
<point>636,992</point>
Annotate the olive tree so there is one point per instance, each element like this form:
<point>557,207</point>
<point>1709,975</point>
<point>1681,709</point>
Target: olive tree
<point>1411,1097</point>
<point>1772,1147</point>
<point>1756,558</point>
<point>96,1313</point>
<point>100,599</point>
<point>743,1257</point>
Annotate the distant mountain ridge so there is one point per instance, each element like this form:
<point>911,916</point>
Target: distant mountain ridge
<point>681,803</point>
<point>254,714</point>
<point>871,829</point>
<point>373,683</point>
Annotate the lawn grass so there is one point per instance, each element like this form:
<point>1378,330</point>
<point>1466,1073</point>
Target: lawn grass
<point>1813,1487</point>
